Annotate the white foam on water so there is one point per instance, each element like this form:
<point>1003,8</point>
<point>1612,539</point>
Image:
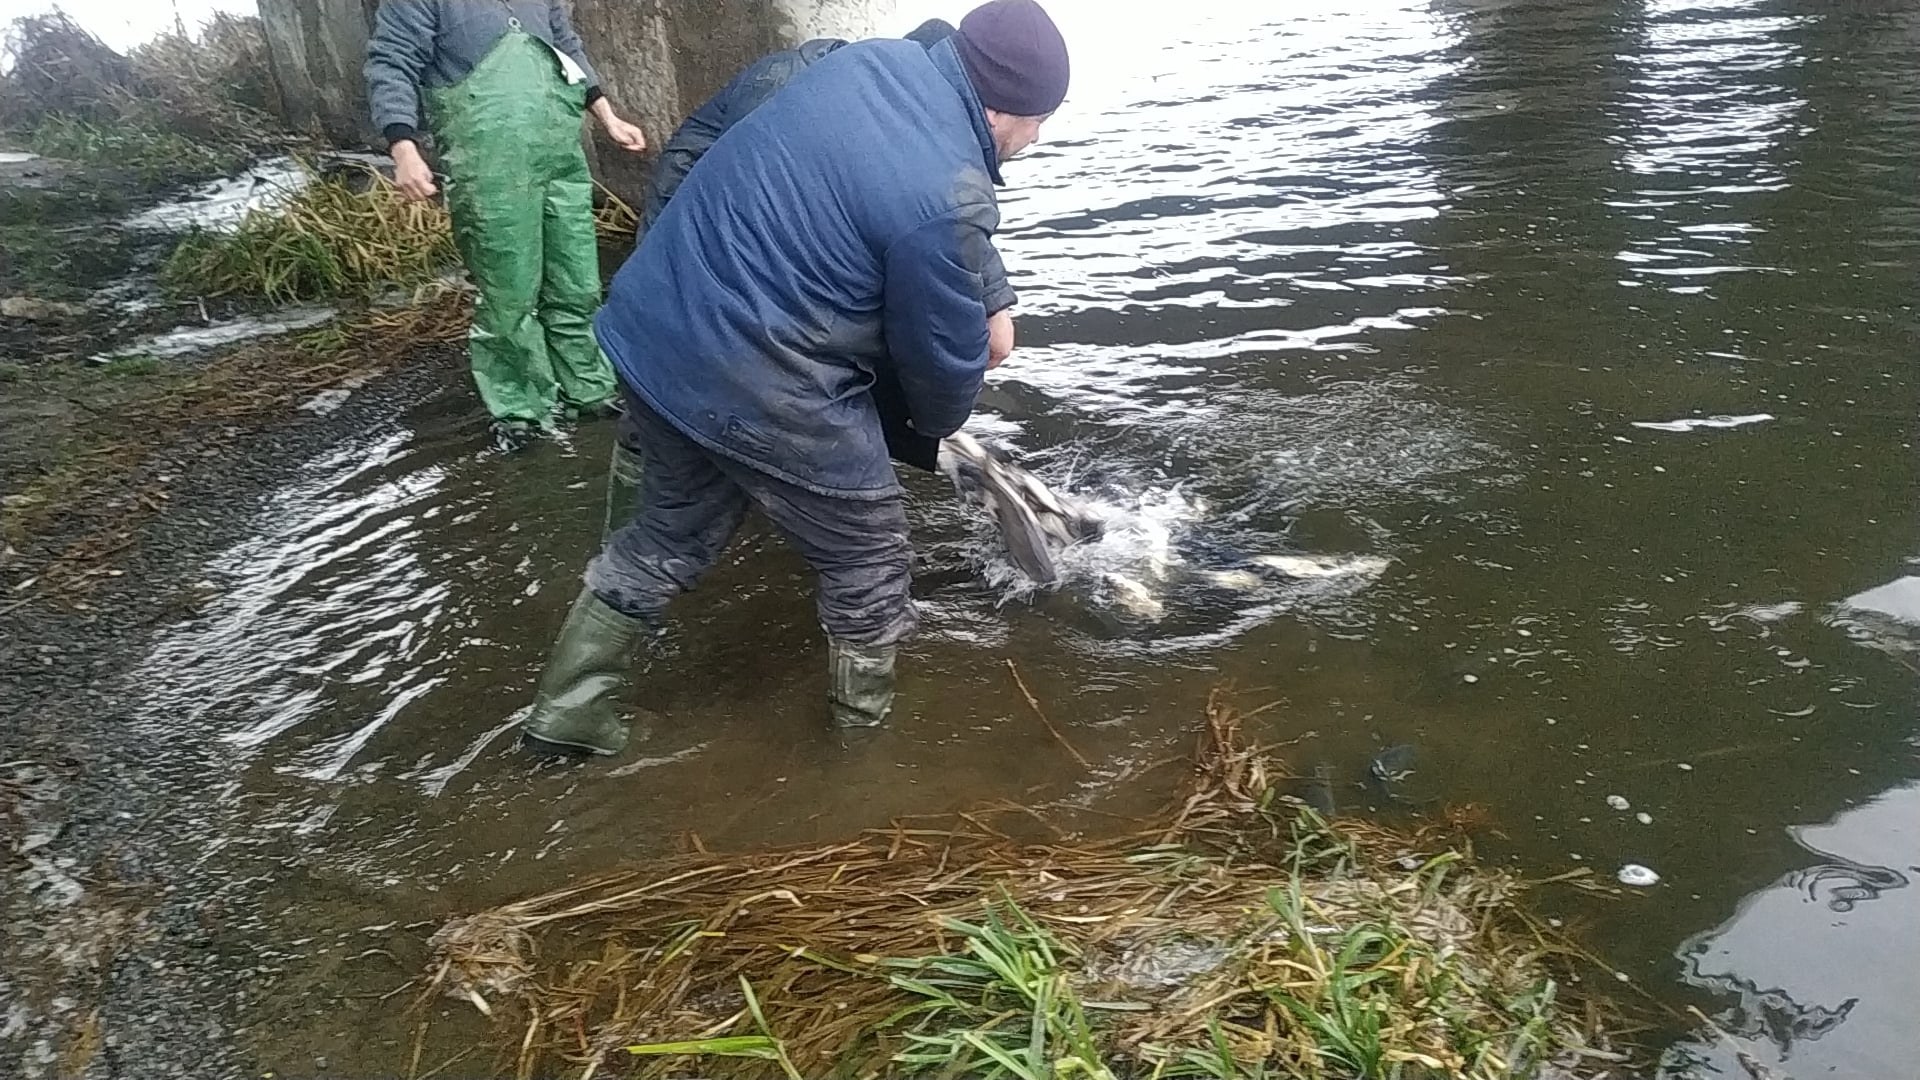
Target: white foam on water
<point>220,206</point>
<point>326,402</point>
<point>1136,546</point>
<point>193,339</point>
<point>1695,423</point>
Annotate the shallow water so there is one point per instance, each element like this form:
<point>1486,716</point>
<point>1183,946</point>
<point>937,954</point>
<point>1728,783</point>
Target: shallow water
<point>1592,322</point>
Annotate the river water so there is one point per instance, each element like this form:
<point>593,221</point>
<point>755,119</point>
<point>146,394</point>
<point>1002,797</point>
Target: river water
<point>1583,331</point>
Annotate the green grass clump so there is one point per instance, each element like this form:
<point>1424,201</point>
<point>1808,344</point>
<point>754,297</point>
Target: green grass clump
<point>1004,1005</point>
<point>178,108</point>
<point>64,261</point>
<point>136,145</point>
<point>131,367</point>
<point>330,240</point>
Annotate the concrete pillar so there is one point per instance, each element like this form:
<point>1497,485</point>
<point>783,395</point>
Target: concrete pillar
<point>838,18</point>
<point>658,59</point>
<point>316,48</point>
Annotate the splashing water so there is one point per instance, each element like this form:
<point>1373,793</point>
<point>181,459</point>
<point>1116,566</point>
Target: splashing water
<point>1159,551</point>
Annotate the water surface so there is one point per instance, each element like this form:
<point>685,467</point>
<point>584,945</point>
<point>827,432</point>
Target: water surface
<point>1592,321</point>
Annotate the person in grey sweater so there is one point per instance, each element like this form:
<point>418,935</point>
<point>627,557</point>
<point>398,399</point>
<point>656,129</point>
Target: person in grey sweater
<point>502,85</point>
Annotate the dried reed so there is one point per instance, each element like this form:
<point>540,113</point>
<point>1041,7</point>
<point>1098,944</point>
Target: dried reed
<point>1239,937</point>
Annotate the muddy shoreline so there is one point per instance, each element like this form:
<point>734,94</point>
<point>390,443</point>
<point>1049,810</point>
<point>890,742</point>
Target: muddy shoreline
<point>119,961</point>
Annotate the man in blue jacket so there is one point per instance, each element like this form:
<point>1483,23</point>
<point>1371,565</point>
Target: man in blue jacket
<point>690,141</point>
<point>743,94</point>
<point>840,231</point>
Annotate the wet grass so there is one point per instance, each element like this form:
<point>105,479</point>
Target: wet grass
<point>137,145</point>
<point>348,235</point>
<point>66,261</point>
<point>115,130</point>
<point>75,197</point>
<point>61,239</point>
<point>1238,937</point>
<point>84,492</point>
<point>131,367</point>
<point>178,108</point>
<point>330,240</point>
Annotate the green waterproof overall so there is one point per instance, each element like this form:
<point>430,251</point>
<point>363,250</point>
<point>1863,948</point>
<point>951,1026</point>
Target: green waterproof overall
<point>521,200</point>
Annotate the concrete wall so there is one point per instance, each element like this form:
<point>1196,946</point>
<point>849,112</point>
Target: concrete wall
<point>658,59</point>
<point>315,48</point>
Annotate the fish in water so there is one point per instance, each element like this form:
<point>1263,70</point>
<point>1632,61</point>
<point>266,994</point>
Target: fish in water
<point>1034,521</point>
<point>1037,524</point>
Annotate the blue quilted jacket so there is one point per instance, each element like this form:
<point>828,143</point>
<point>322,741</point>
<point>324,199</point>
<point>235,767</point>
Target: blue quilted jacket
<point>839,231</point>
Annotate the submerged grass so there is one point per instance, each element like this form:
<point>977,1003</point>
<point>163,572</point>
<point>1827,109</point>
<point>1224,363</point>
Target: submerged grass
<point>64,261</point>
<point>1239,937</point>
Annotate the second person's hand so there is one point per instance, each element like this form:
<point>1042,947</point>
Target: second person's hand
<point>999,338</point>
<point>627,136</point>
<point>410,172</point>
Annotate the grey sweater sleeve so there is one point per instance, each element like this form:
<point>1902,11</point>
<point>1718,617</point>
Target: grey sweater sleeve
<point>398,52</point>
<point>568,41</point>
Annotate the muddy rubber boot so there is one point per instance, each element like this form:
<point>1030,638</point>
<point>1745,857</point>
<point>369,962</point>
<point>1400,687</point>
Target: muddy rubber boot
<point>860,686</point>
<point>577,709</point>
<point>567,412</point>
<point>623,483</point>
<point>512,436</point>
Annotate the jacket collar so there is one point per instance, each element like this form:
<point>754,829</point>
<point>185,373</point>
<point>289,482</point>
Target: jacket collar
<point>948,62</point>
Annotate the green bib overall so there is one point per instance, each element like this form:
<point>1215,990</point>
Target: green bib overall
<point>521,200</point>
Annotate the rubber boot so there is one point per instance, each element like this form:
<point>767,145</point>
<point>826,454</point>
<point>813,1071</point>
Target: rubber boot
<point>623,481</point>
<point>577,708</point>
<point>512,436</point>
<point>860,683</point>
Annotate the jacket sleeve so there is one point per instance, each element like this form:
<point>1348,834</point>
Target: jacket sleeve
<point>935,319</point>
<point>567,40</point>
<point>398,52</point>
<point>692,138</point>
<point>696,135</point>
<point>995,290</point>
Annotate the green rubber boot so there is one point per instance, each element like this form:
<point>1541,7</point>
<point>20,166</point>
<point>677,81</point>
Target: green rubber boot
<point>860,683</point>
<point>577,708</point>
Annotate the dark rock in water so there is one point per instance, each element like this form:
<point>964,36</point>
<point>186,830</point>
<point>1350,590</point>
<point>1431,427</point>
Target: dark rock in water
<point>1317,791</point>
<point>356,172</point>
<point>34,309</point>
<point>1393,763</point>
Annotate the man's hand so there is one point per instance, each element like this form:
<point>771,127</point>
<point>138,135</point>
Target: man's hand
<point>626,136</point>
<point>410,172</point>
<point>999,338</point>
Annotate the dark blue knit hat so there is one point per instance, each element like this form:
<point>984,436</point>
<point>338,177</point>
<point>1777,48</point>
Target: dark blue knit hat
<point>1015,57</point>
